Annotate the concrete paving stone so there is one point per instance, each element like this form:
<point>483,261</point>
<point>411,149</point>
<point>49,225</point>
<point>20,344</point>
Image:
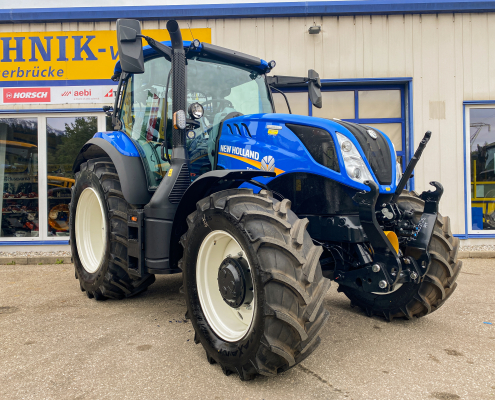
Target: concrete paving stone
<point>55,343</point>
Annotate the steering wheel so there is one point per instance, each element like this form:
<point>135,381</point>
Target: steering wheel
<point>214,106</point>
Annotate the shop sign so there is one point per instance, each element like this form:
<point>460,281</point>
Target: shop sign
<point>75,55</point>
<point>104,94</point>
<point>26,95</point>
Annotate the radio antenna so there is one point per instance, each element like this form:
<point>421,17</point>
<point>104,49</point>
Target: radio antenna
<point>190,30</point>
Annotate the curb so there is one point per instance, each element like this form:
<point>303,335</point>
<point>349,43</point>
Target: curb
<point>34,260</point>
<point>476,254</point>
<point>67,260</point>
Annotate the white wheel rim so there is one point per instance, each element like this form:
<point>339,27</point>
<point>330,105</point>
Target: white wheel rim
<point>231,324</point>
<point>90,229</point>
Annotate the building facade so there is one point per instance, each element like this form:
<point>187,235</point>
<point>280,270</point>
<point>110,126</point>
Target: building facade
<point>403,67</point>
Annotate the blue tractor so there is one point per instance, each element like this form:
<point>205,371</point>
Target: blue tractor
<point>259,211</point>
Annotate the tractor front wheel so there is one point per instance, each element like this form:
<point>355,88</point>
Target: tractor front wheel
<point>253,283</point>
<point>411,299</point>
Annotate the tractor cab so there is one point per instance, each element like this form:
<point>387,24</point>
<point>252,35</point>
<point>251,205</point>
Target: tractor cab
<point>221,84</point>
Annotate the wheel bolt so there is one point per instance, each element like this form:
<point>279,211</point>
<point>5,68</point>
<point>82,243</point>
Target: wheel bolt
<point>413,275</point>
<point>375,268</point>
<point>382,284</point>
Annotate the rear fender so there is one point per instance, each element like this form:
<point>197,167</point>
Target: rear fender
<point>129,168</point>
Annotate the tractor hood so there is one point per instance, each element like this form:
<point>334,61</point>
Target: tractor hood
<point>316,149</point>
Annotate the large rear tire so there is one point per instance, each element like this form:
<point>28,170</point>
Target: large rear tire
<point>417,300</point>
<point>98,233</point>
<point>281,326</point>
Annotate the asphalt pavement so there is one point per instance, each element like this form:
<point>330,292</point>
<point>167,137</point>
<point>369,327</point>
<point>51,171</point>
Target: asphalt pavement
<point>55,343</point>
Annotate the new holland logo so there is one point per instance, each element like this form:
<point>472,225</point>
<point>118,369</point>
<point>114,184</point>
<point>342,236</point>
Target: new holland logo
<point>268,164</point>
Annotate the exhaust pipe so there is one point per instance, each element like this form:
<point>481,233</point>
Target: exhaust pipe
<point>160,211</point>
<point>175,35</point>
<point>178,88</point>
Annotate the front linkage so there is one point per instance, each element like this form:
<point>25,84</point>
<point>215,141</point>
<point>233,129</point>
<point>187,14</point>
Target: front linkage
<point>387,268</point>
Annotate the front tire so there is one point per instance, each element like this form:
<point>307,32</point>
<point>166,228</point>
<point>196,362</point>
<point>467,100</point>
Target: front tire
<point>417,300</point>
<point>98,233</point>
<point>287,313</point>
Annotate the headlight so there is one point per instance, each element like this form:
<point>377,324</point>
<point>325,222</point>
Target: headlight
<point>196,110</point>
<point>354,164</point>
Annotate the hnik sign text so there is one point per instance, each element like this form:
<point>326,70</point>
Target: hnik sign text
<point>72,55</point>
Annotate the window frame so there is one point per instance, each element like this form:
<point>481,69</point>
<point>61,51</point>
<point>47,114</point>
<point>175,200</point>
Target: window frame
<point>470,233</point>
<point>41,116</point>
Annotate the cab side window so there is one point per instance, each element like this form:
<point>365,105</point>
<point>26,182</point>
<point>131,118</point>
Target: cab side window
<point>143,116</point>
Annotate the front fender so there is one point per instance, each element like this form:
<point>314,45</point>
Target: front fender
<point>207,184</point>
<point>129,168</point>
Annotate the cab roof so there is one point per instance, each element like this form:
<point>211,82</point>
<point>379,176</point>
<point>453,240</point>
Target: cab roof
<point>213,52</point>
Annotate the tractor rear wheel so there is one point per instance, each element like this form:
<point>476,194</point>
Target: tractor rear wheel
<point>417,300</point>
<point>253,283</point>
<point>98,233</point>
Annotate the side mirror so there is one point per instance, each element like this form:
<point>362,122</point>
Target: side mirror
<point>130,46</point>
<point>314,88</point>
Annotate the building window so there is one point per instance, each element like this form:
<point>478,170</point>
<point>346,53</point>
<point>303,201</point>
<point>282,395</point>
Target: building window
<point>65,136</point>
<point>36,157</point>
<point>480,174</point>
<point>19,176</point>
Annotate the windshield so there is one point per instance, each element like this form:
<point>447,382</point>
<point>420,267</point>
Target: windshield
<point>224,91</point>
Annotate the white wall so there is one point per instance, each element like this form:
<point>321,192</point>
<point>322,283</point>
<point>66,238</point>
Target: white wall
<point>451,58</point>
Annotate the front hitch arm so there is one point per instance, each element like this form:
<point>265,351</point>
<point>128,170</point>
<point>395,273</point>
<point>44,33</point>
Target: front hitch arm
<point>426,225</point>
<point>387,267</point>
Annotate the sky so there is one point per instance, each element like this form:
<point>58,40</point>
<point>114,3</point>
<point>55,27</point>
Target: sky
<point>59,122</point>
<point>487,116</point>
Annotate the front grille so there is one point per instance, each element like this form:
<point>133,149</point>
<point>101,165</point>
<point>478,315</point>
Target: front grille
<point>319,144</point>
<point>376,151</point>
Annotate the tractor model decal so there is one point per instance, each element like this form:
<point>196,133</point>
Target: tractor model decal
<point>257,164</point>
<point>240,151</point>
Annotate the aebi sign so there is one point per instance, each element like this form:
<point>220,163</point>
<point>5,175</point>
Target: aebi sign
<point>103,94</point>
<point>26,95</point>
